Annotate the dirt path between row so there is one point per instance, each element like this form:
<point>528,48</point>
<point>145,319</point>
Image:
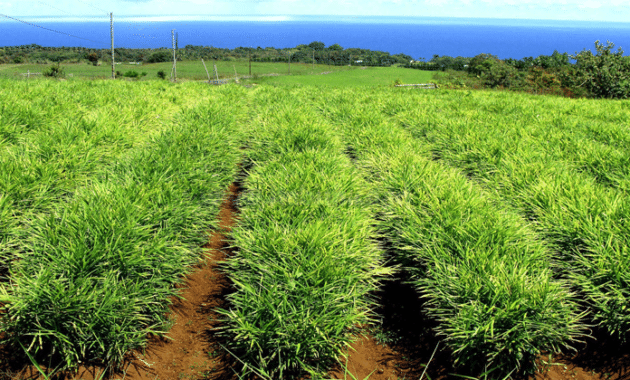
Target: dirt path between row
<point>192,350</point>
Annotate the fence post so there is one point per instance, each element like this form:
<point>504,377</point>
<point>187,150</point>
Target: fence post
<point>207,73</point>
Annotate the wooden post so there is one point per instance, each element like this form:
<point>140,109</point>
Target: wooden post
<point>235,75</point>
<point>289,63</point>
<point>250,61</point>
<point>176,51</point>
<point>216,72</point>
<point>313,59</point>
<point>111,31</point>
<point>174,71</point>
<point>207,73</point>
<point>28,74</point>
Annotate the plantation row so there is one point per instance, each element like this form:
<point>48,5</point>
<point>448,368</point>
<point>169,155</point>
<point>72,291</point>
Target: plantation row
<point>507,213</point>
<point>553,166</point>
<point>105,209</point>
<point>485,276</point>
<point>307,261</point>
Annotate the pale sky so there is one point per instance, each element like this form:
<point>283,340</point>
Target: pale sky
<point>586,10</point>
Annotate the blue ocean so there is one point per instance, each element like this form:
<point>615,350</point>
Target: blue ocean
<point>414,36</point>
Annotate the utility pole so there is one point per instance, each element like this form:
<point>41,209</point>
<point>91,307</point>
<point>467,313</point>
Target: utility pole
<point>174,57</point>
<point>111,30</point>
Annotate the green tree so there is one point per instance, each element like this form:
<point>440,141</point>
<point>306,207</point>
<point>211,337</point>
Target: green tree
<point>160,56</point>
<point>93,57</point>
<point>335,47</point>
<point>605,74</point>
<point>317,46</point>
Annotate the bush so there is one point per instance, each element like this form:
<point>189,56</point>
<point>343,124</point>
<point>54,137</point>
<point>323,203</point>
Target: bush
<point>161,74</point>
<point>497,73</point>
<point>604,75</point>
<point>481,63</point>
<point>93,57</point>
<point>131,74</point>
<point>54,72</point>
<point>160,56</point>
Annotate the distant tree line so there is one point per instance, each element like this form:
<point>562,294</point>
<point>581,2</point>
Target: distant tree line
<point>331,55</point>
<point>605,74</point>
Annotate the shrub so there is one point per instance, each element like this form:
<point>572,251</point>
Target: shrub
<point>160,56</point>
<point>54,72</point>
<point>131,74</point>
<point>161,74</point>
<point>604,75</point>
<point>481,63</point>
<point>93,58</point>
<point>496,73</point>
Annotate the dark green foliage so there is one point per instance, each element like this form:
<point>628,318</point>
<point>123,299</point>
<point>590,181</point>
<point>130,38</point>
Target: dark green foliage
<point>93,57</point>
<point>161,74</point>
<point>55,72</point>
<point>481,63</point>
<point>160,56</point>
<point>498,73</point>
<point>316,45</point>
<point>131,74</point>
<point>605,74</point>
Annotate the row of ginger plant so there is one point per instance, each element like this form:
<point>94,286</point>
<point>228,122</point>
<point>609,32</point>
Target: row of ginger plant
<point>486,277</point>
<point>106,210</point>
<point>307,260</point>
<point>561,164</point>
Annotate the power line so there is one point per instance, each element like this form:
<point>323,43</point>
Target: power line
<point>53,7</point>
<point>51,30</point>
<point>93,6</point>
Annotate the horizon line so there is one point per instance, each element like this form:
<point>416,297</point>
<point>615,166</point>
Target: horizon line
<point>289,18</point>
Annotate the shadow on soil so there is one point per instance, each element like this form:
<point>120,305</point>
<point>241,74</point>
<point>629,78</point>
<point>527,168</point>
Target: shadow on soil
<point>603,354</point>
<point>409,333</point>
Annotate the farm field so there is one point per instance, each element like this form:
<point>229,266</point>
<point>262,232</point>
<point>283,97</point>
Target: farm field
<point>499,219</point>
<point>354,77</point>
<point>186,70</point>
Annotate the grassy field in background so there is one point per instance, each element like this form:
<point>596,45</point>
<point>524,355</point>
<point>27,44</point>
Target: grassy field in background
<point>356,76</point>
<point>301,73</point>
<point>186,70</point>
